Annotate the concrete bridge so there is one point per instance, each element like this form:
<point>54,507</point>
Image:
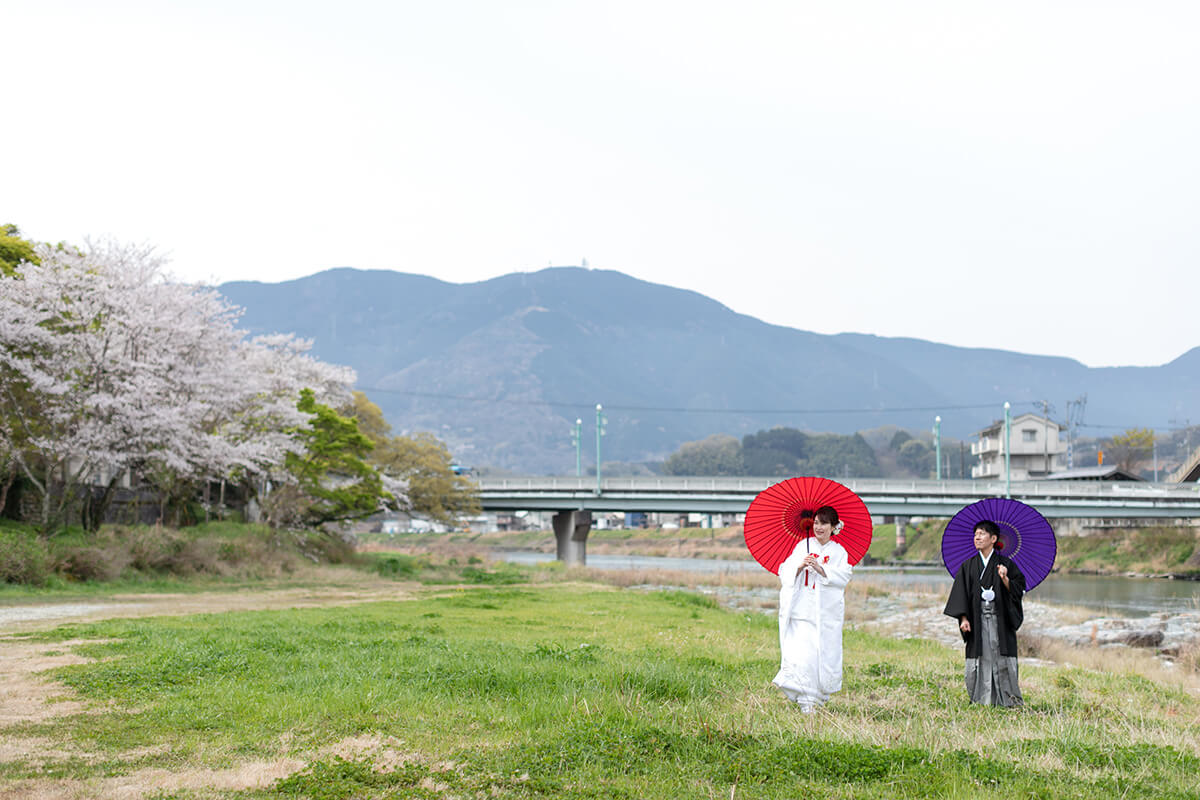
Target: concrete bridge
<point>575,499</point>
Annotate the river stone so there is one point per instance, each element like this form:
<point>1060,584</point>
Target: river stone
<point>1140,638</point>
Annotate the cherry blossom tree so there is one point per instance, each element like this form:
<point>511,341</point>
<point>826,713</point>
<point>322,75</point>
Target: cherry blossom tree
<point>106,367</point>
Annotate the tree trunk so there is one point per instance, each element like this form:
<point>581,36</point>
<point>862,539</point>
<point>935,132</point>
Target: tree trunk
<point>9,479</point>
<point>47,489</point>
<point>95,505</point>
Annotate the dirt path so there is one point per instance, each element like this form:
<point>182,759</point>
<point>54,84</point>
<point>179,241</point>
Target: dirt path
<point>28,696</point>
<point>16,619</point>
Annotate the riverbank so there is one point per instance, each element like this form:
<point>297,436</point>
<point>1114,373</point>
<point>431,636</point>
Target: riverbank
<point>1159,552</point>
<point>1145,552</point>
<point>1155,644</point>
<point>1159,646</point>
<point>539,682</point>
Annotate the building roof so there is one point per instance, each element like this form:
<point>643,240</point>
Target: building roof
<point>1028,415</point>
<point>1100,473</point>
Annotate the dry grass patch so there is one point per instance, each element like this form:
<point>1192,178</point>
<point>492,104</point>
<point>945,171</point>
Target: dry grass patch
<point>1189,658</point>
<point>335,586</point>
<point>445,550</point>
<point>1116,659</point>
<point>24,748</point>
<point>734,578</point>
<point>154,782</point>
<point>25,696</point>
<point>681,547</point>
<point>387,753</point>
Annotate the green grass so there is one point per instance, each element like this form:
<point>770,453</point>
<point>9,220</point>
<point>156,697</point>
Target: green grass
<point>923,542</point>
<point>1146,550</point>
<point>17,526</point>
<point>577,691</point>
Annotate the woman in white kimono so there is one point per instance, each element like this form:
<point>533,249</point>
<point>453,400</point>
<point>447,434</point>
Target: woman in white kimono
<point>811,610</point>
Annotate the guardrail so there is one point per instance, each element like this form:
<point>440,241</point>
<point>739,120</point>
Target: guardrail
<point>857,485</point>
<point>882,496</point>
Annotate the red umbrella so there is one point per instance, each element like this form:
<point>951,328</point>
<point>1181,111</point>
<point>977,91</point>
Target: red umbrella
<point>773,523</point>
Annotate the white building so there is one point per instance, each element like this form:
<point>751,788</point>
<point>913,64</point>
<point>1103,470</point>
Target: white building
<point>1035,449</point>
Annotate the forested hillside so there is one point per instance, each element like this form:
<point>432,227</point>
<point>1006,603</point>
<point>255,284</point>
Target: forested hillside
<point>501,369</point>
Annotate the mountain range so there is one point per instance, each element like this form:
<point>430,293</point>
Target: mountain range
<point>501,369</point>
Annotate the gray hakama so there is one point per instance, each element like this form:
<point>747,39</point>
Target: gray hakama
<point>991,642</point>
<point>992,678</point>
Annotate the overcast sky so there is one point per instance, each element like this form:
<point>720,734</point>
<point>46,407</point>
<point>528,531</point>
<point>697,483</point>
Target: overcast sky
<point>1020,175</point>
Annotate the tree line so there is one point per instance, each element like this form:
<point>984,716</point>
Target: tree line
<point>110,373</point>
<point>775,452</point>
<point>893,452</point>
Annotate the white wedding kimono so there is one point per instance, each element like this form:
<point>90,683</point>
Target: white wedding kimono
<point>811,610</point>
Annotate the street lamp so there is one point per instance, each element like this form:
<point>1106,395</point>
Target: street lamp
<point>937,443</point>
<point>1007,454</point>
<point>600,421</point>
<point>577,440</point>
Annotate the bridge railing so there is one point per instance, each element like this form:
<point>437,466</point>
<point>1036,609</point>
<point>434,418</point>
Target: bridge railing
<point>862,486</point>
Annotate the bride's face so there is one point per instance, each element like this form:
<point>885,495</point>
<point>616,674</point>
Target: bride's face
<point>822,530</point>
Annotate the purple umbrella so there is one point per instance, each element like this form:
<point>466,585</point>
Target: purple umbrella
<point>1025,537</point>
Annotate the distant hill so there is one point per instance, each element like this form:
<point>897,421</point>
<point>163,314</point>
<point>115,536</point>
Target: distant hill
<point>501,369</point>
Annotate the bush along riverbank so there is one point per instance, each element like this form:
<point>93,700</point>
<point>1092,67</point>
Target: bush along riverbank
<point>563,690</point>
<point>142,553</point>
<point>1172,552</point>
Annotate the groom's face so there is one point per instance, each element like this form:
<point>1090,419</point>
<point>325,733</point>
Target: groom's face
<point>984,540</point>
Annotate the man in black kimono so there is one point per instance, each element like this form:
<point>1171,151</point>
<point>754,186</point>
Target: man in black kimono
<point>986,601</point>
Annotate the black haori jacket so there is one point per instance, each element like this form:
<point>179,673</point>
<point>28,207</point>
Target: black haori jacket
<point>965,601</point>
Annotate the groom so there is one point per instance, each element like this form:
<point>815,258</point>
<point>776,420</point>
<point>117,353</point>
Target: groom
<point>986,601</point>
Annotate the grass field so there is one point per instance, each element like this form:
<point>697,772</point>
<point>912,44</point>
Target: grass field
<point>495,686</point>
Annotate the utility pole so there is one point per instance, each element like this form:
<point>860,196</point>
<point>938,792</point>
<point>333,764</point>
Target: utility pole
<point>577,439</point>
<point>1187,435</point>
<point>1046,437</point>
<point>1074,419</point>
<point>1007,449</point>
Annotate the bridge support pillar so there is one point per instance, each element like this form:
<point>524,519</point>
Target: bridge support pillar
<point>571,529</point>
<point>901,537</point>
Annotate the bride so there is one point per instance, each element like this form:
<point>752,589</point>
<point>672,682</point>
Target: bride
<point>811,610</point>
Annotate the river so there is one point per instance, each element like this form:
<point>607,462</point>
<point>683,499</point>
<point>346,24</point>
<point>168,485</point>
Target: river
<point>1110,595</point>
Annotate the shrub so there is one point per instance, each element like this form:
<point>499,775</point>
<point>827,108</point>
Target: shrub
<point>324,546</point>
<point>95,563</point>
<point>138,552</point>
<point>196,557</point>
<point>24,558</point>
<point>150,548</point>
<point>398,565</point>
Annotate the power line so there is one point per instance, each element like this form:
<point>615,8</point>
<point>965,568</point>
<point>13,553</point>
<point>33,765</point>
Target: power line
<point>1117,427</point>
<point>680,409</point>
